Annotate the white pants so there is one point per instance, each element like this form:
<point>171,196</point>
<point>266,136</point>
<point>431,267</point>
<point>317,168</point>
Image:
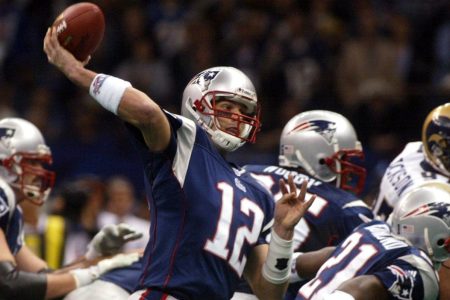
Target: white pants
<point>243,296</point>
<point>98,290</point>
<point>137,295</point>
<point>236,296</point>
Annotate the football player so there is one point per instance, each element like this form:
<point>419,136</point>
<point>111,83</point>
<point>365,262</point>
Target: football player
<point>23,177</point>
<point>378,261</point>
<point>209,218</point>
<point>419,162</point>
<point>318,146</point>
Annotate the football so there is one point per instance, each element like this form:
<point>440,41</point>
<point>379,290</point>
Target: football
<point>80,28</point>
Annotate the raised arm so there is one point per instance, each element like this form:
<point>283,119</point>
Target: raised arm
<point>114,94</point>
<point>268,268</point>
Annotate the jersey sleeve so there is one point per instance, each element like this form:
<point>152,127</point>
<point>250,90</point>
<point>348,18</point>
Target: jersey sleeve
<point>404,280</point>
<point>11,219</point>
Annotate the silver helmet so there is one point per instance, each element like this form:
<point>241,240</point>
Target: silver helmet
<point>422,216</point>
<point>23,153</point>
<point>222,83</point>
<point>436,138</point>
<point>323,143</point>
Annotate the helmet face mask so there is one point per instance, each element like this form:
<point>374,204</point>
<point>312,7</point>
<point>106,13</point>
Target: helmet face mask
<point>23,155</point>
<point>352,176</point>
<point>325,145</point>
<point>422,216</point>
<point>436,138</point>
<point>200,103</point>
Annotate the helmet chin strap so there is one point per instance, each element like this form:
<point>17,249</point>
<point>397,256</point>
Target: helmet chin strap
<point>226,141</point>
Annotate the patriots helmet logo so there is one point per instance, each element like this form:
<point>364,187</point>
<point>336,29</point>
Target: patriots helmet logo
<point>440,210</point>
<point>326,129</point>
<point>6,132</point>
<point>204,79</point>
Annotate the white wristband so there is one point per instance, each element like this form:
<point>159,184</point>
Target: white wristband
<point>277,269</point>
<point>338,295</point>
<point>108,91</point>
<point>85,276</point>
<point>294,274</point>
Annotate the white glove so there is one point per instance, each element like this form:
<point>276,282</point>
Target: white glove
<point>110,239</point>
<point>88,275</point>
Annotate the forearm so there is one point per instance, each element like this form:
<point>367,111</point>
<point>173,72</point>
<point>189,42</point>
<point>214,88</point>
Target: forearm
<point>307,264</point>
<point>75,72</point>
<point>59,285</point>
<point>266,290</point>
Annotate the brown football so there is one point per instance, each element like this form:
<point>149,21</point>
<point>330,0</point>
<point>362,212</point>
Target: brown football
<point>80,28</point>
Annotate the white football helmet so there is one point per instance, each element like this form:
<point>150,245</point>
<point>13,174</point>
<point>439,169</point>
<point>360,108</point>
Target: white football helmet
<point>323,143</point>
<point>422,216</point>
<point>212,85</point>
<point>436,138</point>
<point>23,153</point>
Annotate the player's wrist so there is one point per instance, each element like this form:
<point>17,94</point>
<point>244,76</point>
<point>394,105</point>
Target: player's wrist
<point>283,232</point>
<point>277,267</point>
<point>108,91</point>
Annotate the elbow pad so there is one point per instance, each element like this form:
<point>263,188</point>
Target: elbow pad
<point>16,284</point>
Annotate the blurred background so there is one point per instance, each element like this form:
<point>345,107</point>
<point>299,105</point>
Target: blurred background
<point>384,64</point>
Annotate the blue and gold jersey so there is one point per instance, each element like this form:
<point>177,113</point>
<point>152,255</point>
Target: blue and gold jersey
<point>206,216</point>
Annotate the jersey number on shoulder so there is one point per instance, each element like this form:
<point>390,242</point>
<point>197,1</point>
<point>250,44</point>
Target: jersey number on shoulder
<point>218,244</point>
<point>359,253</point>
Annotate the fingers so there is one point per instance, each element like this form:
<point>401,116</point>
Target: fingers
<point>283,186</point>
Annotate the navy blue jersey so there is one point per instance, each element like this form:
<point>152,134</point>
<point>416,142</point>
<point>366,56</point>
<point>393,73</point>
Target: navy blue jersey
<point>330,219</point>
<point>406,272</point>
<point>11,220</point>
<point>206,216</point>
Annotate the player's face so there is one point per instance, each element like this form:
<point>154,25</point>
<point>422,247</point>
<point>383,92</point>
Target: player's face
<point>227,113</point>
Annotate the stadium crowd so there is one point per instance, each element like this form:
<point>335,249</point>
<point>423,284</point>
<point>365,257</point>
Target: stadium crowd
<point>382,64</point>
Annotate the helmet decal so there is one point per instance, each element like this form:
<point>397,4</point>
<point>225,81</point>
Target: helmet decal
<point>327,129</point>
<point>204,79</point>
<point>6,132</point>
<point>436,209</point>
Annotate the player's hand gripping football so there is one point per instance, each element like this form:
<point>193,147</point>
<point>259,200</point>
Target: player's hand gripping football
<point>290,208</point>
<point>57,55</point>
<point>110,240</point>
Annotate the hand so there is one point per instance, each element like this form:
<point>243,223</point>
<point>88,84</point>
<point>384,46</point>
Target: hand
<point>290,208</point>
<point>86,276</point>
<point>117,261</point>
<point>58,55</point>
<point>110,240</point>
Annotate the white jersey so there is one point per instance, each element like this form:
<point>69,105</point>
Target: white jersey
<point>406,171</point>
